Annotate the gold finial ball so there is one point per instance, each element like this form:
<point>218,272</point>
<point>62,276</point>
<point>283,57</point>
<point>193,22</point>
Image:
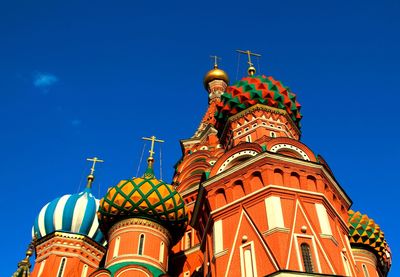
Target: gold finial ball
<point>29,252</point>
<point>150,159</point>
<point>215,74</point>
<point>251,70</point>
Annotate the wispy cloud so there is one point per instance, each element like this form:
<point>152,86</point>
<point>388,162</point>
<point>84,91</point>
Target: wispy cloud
<point>76,122</point>
<point>44,80</point>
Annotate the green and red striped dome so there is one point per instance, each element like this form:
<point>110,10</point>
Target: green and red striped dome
<point>258,90</point>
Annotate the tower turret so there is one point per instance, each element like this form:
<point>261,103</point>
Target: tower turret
<point>142,218</point>
<point>370,249</point>
<point>69,241</point>
<point>215,81</point>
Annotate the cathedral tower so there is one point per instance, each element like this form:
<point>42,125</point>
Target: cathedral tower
<point>261,202</point>
<point>142,219</point>
<point>68,241</point>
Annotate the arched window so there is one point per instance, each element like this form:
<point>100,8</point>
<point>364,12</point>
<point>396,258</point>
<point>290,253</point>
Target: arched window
<point>307,260</point>
<point>256,182</point>
<point>116,247</point>
<point>237,190</point>
<point>220,199</point>
<point>366,274</point>
<point>248,138</point>
<point>42,264</point>
<point>141,244</point>
<point>294,180</point>
<point>278,177</point>
<point>84,271</point>
<point>311,183</point>
<point>61,269</point>
<point>161,254</point>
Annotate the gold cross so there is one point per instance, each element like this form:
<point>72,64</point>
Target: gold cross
<point>216,58</point>
<point>94,160</point>
<point>249,54</point>
<point>152,139</point>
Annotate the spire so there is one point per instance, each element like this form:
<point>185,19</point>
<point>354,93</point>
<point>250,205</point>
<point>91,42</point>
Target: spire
<point>90,177</point>
<point>149,173</point>
<point>216,58</point>
<point>251,70</point>
<point>24,265</point>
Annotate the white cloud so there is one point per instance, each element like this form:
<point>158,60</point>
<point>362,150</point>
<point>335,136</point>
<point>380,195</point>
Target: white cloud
<point>44,80</point>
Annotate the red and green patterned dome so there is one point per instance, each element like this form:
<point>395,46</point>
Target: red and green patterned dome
<point>145,197</point>
<point>258,90</point>
<point>364,232</point>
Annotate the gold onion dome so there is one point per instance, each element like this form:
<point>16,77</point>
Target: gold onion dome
<point>215,74</point>
<point>365,233</point>
<point>144,197</point>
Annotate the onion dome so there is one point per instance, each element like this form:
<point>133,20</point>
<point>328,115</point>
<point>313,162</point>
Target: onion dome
<point>253,90</point>
<point>215,74</point>
<point>364,232</point>
<point>145,197</point>
<point>74,213</point>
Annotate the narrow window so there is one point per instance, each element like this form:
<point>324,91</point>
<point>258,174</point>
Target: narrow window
<point>306,253</point>
<point>116,247</point>
<point>84,271</point>
<point>218,237</point>
<point>141,244</point>
<point>272,134</point>
<point>346,265</point>
<point>161,256</point>
<point>248,266</point>
<point>188,240</point>
<point>248,138</point>
<point>248,262</point>
<point>61,269</point>
<point>42,264</point>
<point>366,274</point>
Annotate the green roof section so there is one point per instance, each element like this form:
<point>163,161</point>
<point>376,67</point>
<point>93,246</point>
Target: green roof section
<point>154,270</point>
<point>258,90</point>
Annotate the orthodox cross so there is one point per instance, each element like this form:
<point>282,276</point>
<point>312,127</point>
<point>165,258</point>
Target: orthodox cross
<point>94,160</point>
<point>249,54</point>
<point>251,70</point>
<point>153,140</point>
<point>90,177</point>
<point>216,58</point>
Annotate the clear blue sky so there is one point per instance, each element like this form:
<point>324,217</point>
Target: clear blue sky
<point>85,78</point>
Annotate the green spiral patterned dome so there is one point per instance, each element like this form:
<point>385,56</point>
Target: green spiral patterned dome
<point>364,232</point>
<point>258,90</point>
<point>144,197</point>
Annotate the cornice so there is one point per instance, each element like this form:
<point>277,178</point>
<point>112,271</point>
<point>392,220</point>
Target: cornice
<point>267,155</point>
<point>73,237</point>
<point>142,222</point>
<point>263,108</point>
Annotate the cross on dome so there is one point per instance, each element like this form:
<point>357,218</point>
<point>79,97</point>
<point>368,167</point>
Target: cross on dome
<point>153,139</point>
<point>251,70</point>
<point>216,58</point>
<point>91,175</point>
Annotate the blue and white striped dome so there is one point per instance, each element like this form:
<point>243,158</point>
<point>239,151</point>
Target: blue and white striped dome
<point>74,213</point>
